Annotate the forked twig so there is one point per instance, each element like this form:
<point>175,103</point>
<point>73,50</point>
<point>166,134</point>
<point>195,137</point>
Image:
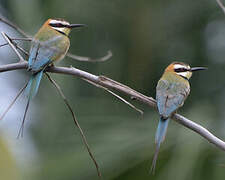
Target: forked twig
<point>21,49</point>
<point>14,100</point>
<point>12,46</point>
<point>75,121</point>
<point>16,45</point>
<point>116,95</point>
<point>16,39</point>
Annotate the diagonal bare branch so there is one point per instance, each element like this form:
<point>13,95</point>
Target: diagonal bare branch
<point>113,85</point>
<point>76,122</point>
<point>221,5</point>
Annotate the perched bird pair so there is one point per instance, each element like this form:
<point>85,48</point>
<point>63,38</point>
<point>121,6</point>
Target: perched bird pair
<point>171,91</point>
<point>51,44</point>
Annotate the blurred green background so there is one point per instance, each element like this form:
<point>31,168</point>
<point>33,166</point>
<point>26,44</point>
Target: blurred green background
<point>144,36</point>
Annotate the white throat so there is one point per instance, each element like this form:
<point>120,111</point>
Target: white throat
<point>184,74</point>
<point>60,29</point>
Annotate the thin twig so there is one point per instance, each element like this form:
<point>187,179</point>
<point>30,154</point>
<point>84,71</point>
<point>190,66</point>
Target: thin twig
<point>14,100</point>
<point>12,46</point>
<point>1,45</point>
<point>20,133</point>
<point>16,45</point>
<point>111,84</point>
<point>12,40</point>
<point>16,39</point>
<point>14,26</point>
<point>76,122</point>
<point>117,96</point>
<point>21,39</point>
<point>88,59</point>
<point>221,5</point>
<point>21,49</point>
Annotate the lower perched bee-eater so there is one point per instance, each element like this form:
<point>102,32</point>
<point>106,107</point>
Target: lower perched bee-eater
<point>50,44</point>
<point>171,91</point>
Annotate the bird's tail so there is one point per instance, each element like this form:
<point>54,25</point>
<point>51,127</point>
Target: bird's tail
<point>159,138</point>
<point>30,91</point>
<point>33,85</point>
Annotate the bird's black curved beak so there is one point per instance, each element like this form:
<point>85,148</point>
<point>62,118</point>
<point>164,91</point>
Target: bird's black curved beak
<point>198,68</point>
<point>77,25</point>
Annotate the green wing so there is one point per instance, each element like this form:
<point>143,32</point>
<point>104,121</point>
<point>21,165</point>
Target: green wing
<point>170,95</point>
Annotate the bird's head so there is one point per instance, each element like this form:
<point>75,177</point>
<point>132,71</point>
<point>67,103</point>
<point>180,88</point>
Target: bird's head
<point>61,25</point>
<point>182,69</point>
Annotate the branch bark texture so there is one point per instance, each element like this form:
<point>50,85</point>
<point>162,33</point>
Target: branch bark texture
<point>116,86</point>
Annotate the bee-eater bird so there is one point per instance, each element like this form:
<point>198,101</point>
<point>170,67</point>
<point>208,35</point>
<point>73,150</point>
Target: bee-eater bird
<point>171,91</point>
<point>50,44</point>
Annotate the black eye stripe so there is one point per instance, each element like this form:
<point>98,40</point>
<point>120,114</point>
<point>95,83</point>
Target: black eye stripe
<point>181,70</point>
<point>57,25</point>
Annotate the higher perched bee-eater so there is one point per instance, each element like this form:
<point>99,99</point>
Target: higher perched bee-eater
<point>171,91</point>
<point>50,44</point>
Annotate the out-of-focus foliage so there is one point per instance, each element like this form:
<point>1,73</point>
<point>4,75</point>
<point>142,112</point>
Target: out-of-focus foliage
<point>144,36</point>
<point>8,168</point>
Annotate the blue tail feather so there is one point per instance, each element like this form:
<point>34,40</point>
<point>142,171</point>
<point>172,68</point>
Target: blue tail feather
<point>33,85</point>
<point>159,138</point>
<point>161,130</point>
<point>31,91</point>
